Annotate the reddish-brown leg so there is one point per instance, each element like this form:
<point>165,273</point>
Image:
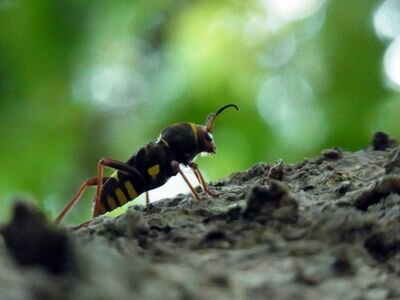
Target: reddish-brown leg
<point>100,172</point>
<point>99,181</point>
<point>201,179</point>
<point>197,176</point>
<point>195,194</point>
<point>77,196</point>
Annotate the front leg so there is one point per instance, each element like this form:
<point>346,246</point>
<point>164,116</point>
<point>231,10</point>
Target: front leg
<point>175,170</point>
<point>201,180</point>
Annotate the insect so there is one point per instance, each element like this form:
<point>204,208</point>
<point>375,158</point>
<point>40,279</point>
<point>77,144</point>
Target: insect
<point>151,166</point>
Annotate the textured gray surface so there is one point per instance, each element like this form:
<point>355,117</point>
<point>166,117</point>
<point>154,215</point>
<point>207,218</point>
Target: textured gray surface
<point>326,228</point>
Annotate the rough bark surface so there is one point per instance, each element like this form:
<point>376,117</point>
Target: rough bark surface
<point>326,228</point>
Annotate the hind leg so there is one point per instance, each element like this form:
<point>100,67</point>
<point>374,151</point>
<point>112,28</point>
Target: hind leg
<point>99,181</point>
<point>77,196</point>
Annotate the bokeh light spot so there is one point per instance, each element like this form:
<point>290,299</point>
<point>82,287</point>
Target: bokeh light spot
<point>391,63</point>
<point>116,86</point>
<point>281,12</point>
<point>280,53</point>
<point>387,19</point>
<point>128,73</point>
<point>294,9</point>
<point>287,105</point>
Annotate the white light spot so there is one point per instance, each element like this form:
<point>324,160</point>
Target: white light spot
<point>275,14</point>
<point>116,85</point>
<point>387,19</point>
<point>294,9</point>
<point>287,104</point>
<point>280,53</point>
<point>176,185</point>
<point>391,63</point>
<point>127,74</point>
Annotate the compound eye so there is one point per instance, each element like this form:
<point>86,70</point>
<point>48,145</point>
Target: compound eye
<point>209,137</point>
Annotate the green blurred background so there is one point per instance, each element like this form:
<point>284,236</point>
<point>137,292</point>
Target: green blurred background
<point>81,80</point>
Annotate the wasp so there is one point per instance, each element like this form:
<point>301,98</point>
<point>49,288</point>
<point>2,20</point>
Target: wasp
<point>151,166</point>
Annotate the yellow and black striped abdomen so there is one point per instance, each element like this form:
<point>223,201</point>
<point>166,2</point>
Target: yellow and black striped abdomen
<point>118,190</point>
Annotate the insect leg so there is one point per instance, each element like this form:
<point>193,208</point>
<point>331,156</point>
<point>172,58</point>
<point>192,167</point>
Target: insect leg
<point>201,179</point>
<point>175,165</point>
<point>147,198</point>
<point>193,166</point>
<point>77,196</point>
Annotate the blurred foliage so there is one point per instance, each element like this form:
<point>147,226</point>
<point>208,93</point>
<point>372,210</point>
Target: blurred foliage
<point>81,80</point>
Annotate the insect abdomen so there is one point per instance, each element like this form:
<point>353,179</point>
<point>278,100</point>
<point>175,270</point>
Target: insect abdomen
<point>119,189</point>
